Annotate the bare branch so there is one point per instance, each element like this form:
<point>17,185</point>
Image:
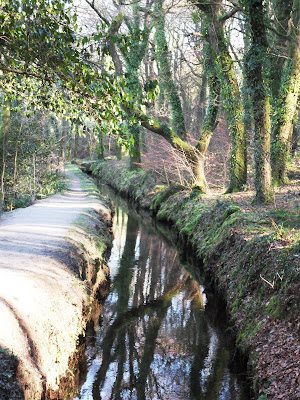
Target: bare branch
<point>228,15</point>
<point>92,5</point>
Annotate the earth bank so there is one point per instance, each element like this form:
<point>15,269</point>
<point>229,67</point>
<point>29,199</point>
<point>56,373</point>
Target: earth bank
<point>52,275</point>
<point>252,254</point>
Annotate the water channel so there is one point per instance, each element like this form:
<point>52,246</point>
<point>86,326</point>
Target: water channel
<point>159,335</point>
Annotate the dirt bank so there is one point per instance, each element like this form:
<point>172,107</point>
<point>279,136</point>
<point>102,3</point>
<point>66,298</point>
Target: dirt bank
<point>52,267</point>
<point>253,255</point>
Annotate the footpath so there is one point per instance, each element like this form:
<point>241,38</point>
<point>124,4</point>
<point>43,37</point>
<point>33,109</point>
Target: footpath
<point>45,293</point>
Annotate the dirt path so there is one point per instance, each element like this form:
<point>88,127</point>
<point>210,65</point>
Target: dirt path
<point>41,300</point>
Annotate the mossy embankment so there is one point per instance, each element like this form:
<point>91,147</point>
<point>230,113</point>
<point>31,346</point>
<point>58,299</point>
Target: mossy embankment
<point>251,253</point>
<point>56,273</point>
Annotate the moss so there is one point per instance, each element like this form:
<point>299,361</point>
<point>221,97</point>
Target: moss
<point>135,185</point>
<point>163,195</point>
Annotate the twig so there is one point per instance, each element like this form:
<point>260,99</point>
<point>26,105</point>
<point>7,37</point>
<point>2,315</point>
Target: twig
<point>269,283</point>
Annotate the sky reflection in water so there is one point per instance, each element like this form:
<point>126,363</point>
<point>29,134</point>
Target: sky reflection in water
<point>154,339</point>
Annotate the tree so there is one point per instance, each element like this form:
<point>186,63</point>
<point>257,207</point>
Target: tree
<point>210,118</point>
<point>279,39</point>
<point>286,105</point>
<point>4,131</point>
<point>38,41</point>
<point>175,135</point>
<point>256,76</point>
<point>45,55</point>
<point>167,83</point>
<point>133,54</point>
<point>215,35</point>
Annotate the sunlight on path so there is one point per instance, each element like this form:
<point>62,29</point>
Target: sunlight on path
<point>40,298</point>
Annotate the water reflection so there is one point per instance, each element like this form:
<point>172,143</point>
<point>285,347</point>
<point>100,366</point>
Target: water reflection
<point>154,339</point>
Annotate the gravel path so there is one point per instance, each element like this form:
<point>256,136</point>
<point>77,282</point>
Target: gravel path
<point>41,300</point>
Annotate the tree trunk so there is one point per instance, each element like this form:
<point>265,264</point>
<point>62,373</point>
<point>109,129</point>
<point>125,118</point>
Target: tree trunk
<point>76,142</point>
<point>166,79</point>
<point>234,115</point>
<point>16,159</point>
<point>133,59</point>
<point>100,146</point>
<point>33,197</point>
<point>295,136</point>
<point>3,139</point>
<point>246,96</point>
<point>230,92</point>
<point>282,11</point>
<point>118,151</point>
<point>260,101</point>
<point>199,110</point>
<point>282,128</point>
<point>135,148</point>
<point>210,118</point>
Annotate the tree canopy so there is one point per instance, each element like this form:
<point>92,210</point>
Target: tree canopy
<point>154,66</point>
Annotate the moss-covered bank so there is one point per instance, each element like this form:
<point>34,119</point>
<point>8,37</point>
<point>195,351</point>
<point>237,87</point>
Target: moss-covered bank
<point>252,254</point>
<point>67,278</point>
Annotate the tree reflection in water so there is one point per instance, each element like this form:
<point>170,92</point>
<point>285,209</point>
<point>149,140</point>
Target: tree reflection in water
<point>154,340</point>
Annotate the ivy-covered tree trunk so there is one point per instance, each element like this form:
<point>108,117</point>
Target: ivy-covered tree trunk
<point>209,122</point>
<point>246,96</point>
<point>214,33</point>
<point>260,101</point>
<point>133,84</point>
<point>285,111</point>
<point>168,86</point>
<point>279,42</point>
<point>234,111</point>
<point>133,59</point>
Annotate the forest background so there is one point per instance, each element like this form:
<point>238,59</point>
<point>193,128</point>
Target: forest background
<point>203,92</point>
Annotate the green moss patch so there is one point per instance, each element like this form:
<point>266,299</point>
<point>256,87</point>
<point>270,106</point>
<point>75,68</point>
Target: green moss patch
<point>136,185</point>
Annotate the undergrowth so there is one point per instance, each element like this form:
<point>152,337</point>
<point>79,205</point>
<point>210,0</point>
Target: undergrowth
<point>49,183</point>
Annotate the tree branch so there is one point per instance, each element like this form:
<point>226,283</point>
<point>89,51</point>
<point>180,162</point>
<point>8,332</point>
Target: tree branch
<point>162,130</point>
<point>228,15</point>
<point>111,33</point>
<point>282,35</point>
<point>92,5</point>
<point>27,73</point>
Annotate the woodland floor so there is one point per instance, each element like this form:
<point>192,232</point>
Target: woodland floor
<point>41,298</point>
<point>276,346</point>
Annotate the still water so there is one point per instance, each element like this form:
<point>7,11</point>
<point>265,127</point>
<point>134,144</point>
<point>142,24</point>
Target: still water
<point>156,337</point>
